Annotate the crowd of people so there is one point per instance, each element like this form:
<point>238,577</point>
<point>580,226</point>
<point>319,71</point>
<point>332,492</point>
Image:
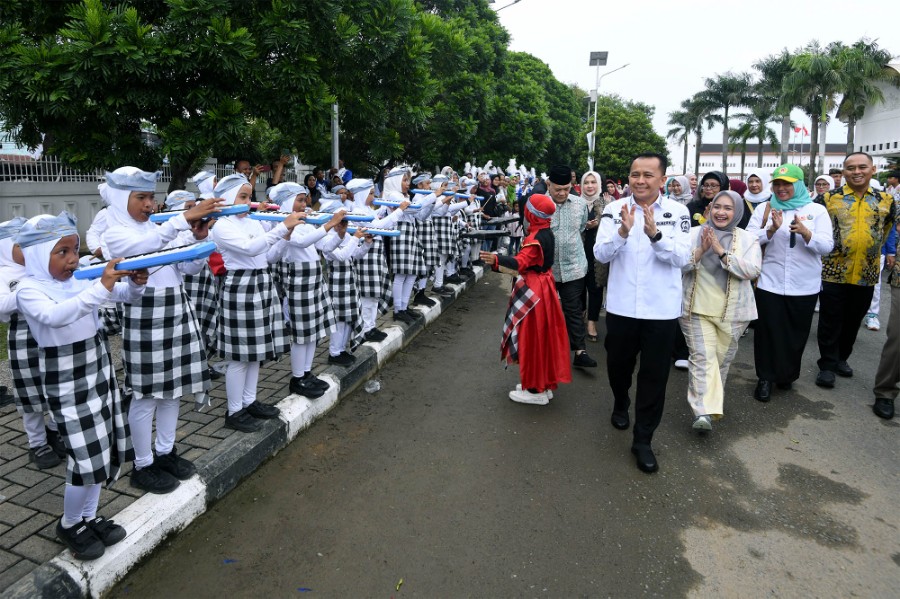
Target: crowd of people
<point>689,265</point>
<point>681,262</point>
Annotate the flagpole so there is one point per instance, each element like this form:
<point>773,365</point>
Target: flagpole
<point>801,146</point>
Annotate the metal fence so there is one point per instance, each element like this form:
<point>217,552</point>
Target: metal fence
<point>49,169</point>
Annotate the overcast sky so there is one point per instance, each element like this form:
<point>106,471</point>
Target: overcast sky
<point>672,46</point>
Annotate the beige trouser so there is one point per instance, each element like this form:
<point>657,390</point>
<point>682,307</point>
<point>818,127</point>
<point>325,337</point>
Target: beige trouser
<point>888,375</point>
<point>712,343</point>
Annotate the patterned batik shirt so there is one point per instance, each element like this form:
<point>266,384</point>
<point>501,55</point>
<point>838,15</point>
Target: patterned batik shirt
<point>567,224</point>
<point>861,226</point>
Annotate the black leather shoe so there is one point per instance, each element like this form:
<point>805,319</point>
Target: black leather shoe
<point>843,369</point>
<point>785,386</point>
<point>107,531</point>
<point>311,380</point>
<point>241,421</point>
<point>583,360</point>
<point>404,316</point>
<point>56,442</point>
<point>443,291</point>
<point>884,408</point>
<point>375,335</point>
<point>342,359</point>
<point>178,467</point>
<point>421,299</point>
<point>300,386</point>
<point>825,378</point>
<point>620,420</point>
<point>154,479</point>
<point>454,279</point>
<point>763,391</point>
<point>646,461</point>
<point>81,541</point>
<point>262,411</point>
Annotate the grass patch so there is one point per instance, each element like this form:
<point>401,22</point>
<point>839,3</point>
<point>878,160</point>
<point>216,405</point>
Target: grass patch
<point>4,327</point>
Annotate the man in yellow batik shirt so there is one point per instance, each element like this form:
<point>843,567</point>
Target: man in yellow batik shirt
<point>862,219</point>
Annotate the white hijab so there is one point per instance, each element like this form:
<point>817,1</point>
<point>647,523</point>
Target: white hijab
<point>393,184</point>
<point>766,193</point>
<point>118,202</point>
<point>37,267</point>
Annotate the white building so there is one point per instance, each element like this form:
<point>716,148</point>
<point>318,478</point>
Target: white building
<point>878,132</point>
<point>711,158</point>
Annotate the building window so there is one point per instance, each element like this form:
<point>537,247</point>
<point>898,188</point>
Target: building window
<point>880,146</point>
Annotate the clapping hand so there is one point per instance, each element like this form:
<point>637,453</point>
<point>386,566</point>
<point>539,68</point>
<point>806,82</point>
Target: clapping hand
<point>627,220</point>
<point>649,221</point>
<point>799,228</point>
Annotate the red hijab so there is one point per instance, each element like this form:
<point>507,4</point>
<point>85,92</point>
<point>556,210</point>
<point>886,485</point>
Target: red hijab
<point>538,211</point>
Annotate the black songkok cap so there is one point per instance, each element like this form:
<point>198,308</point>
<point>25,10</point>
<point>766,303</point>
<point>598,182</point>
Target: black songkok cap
<point>560,174</point>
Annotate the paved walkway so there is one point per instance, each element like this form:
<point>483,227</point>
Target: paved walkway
<point>31,499</point>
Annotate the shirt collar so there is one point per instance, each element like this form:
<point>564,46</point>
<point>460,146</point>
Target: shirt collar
<point>658,201</point>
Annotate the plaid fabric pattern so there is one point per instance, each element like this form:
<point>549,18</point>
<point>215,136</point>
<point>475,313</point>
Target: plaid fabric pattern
<point>161,348</point>
<point>306,299</point>
<point>111,319</point>
<point>406,251</point>
<point>202,291</point>
<point>345,298</point>
<point>521,301</point>
<point>446,237</point>
<point>24,364</point>
<point>279,273</point>
<point>462,244</point>
<point>428,238</point>
<point>372,278</point>
<point>84,398</point>
<point>251,324</point>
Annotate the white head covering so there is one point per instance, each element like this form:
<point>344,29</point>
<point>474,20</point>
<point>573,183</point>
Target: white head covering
<point>330,202</point>
<point>873,182</point>
<point>119,185</point>
<point>178,198</point>
<point>360,189</point>
<point>285,193</point>
<point>8,232</point>
<point>829,181</point>
<point>393,181</point>
<point>591,199</point>
<point>37,238</point>
<point>205,181</point>
<point>766,177</point>
<point>229,187</point>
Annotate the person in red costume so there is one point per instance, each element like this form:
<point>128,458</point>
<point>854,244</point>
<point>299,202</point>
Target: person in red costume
<point>534,333</point>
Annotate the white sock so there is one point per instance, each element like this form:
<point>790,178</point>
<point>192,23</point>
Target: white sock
<point>235,380</point>
<point>299,358</point>
<point>93,499</point>
<point>369,309</point>
<point>339,338</point>
<point>166,424</point>
<point>74,501</point>
<point>407,291</point>
<point>140,420</point>
<point>250,384</point>
<point>34,429</point>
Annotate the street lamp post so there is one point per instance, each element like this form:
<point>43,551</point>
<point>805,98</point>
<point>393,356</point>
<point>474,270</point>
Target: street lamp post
<point>596,102</point>
<point>598,59</point>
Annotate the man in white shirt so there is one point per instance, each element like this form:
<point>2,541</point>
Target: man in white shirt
<point>645,239</point>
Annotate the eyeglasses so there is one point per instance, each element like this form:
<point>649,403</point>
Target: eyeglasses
<point>711,186</point>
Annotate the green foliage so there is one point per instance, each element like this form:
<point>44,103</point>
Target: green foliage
<point>624,129</point>
<point>428,81</point>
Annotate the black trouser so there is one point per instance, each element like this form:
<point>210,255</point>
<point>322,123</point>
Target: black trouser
<point>780,336</point>
<point>594,293</point>
<point>653,340</point>
<point>842,308</point>
<point>680,349</point>
<point>570,294</point>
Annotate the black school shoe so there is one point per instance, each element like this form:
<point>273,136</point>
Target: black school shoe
<point>242,421</point>
<point>178,467</point>
<point>375,335</point>
<point>81,541</point>
<point>583,360</point>
<point>153,479</point>
<point>214,374</point>
<point>312,380</point>
<point>421,299</point>
<point>342,359</point>
<point>300,386</point>
<point>55,441</point>
<point>263,411</point>
<point>107,531</point>
<point>44,457</point>
<point>443,291</point>
<point>454,279</point>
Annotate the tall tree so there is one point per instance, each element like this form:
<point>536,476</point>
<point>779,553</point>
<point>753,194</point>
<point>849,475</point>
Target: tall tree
<point>738,139</point>
<point>814,81</point>
<point>699,115</point>
<point>681,130</point>
<point>774,69</point>
<point>624,129</point>
<point>725,92</point>
<point>864,65</point>
<point>762,112</point>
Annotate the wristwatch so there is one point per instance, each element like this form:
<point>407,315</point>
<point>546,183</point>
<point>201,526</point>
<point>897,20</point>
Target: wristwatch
<point>656,237</point>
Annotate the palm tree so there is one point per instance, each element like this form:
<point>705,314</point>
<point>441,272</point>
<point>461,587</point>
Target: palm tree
<point>762,112</point>
<point>739,138</point>
<point>681,129</point>
<point>724,92</point>
<point>774,69</point>
<point>864,65</point>
<point>698,115</point>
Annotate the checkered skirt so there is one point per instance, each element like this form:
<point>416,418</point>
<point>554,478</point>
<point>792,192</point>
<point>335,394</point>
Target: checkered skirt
<point>446,236</point>
<point>111,319</point>
<point>251,324</point>
<point>308,305</point>
<point>83,396</point>
<point>406,251</point>
<point>428,238</point>
<point>24,364</point>
<point>345,298</point>
<point>372,278</point>
<point>203,292</point>
<point>161,348</point>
